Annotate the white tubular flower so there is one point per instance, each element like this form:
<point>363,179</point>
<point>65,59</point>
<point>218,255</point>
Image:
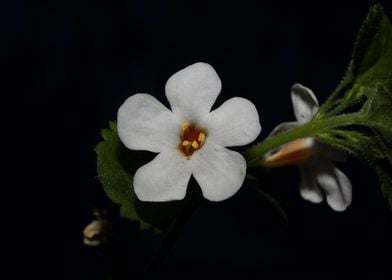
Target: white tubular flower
<point>313,157</point>
<point>189,139</point>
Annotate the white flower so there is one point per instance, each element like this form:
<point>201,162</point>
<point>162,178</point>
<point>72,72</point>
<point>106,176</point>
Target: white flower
<point>189,139</point>
<point>312,157</point>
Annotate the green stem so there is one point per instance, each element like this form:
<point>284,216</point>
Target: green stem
<point>310,129</point>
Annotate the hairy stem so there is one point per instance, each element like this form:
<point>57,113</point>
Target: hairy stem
<point>310,129</point>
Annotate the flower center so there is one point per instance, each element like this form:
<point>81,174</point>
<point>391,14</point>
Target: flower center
<point>192,139</point>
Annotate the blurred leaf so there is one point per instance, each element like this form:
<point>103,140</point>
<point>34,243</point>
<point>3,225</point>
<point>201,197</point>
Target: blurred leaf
<point>115,167</point>
<point>367,83</point>
<point>372,47</point>
<point>370,67</point>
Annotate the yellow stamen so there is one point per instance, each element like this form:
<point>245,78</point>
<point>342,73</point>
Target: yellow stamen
<point>185,143</point>
<point>185,126</point>
<point>195,145</point>
<point>201,137</point>
<point>192,139</point>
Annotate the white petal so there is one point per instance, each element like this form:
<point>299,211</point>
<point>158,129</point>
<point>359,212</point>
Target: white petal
<point>309,188</point>
<point>193,90</point>
<point>143,123</point>
<point>283,127</point>
<point>234,123</point>
<point>335,184</point>
<point>165,178</point>
<point>219,171</point>
<point>305,103</point>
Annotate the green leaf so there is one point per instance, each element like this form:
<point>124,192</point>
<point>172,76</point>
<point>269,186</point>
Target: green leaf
<point>115,176</point>
<point>374,65</point>
<point>370,66</point>
<point>368,46</point>
<point>368,83</point>
<point>115,167</point>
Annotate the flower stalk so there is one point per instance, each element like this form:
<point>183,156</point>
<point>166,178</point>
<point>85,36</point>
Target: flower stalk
<point>310,129</point>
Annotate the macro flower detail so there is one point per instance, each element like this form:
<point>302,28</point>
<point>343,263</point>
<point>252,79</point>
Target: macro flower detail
<point>313,158</point>
<point>190,139</point>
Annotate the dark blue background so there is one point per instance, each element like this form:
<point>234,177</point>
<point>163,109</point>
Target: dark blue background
<point>68,66</point>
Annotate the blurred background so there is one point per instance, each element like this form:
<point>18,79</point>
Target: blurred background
<point>68,66</point>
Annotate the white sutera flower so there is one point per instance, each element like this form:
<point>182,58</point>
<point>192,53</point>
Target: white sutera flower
<point>313,157</point>
<point>189,139</point>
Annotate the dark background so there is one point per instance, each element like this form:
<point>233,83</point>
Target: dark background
<point>67,67</point>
